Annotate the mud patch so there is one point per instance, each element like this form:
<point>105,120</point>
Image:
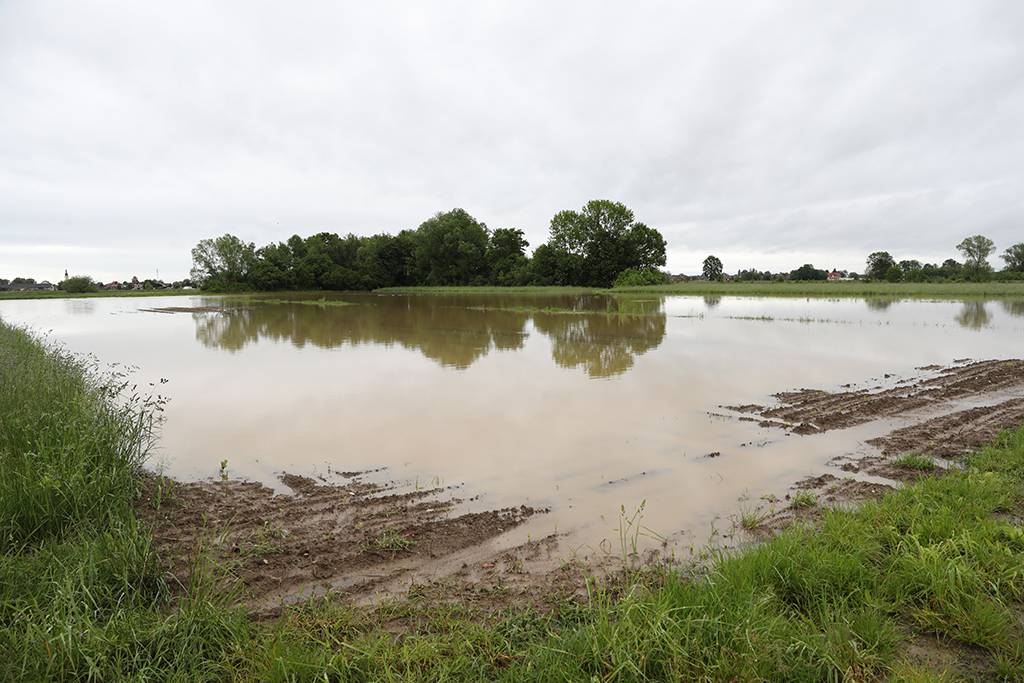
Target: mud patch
<point>810,411</point>
<point>953,435</point>
<point>350,538</point>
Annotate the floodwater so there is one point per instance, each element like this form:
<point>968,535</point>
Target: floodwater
<point>586,405</point>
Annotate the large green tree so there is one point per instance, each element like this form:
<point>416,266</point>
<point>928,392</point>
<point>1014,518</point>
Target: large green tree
<point>879,265</point>
<point>976,250</point>
<point>1014,257</point>
<point>712,269</point>
<point>222,262</point>
<point>451,249</point>
<point>506,256</point>
<point>606,239</point>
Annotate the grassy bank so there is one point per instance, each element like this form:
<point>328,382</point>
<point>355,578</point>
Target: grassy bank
<point>101,294</point>
<point>491,290</point>
<point>939,290</point>
<point>938,565</point>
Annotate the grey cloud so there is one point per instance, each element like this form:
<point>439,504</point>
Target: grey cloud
<point>766,131</point>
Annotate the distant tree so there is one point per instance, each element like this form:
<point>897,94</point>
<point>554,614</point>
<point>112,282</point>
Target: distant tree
<point>951,268</point>
<point>506,256</point>
<point>1014,257</point>
<point>910,270</point>
<point>78,284</point>
<point>808,272</point>
<point>605,239</point>
<point>222,262</point>
<point>451,249</point>
<point>894,274</point>
<point>273,267</point>
<point>712,268</point>
<point>976,250</point>
<point>879,263</point>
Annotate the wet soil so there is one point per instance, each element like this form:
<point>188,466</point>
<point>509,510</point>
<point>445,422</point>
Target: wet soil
<point>810,411</point>
<point>955,434</point>
<point>354,538</point>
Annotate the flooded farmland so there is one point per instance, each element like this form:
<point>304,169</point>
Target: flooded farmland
<point>575,406</point>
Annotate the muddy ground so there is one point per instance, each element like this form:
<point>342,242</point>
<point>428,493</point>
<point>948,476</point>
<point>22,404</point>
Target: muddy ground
<point>352,538</point>
<point>933,426</point>
<point>811,411</point>
<point>364,541</point>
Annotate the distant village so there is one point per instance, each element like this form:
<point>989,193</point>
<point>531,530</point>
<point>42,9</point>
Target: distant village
<point>27,284</point>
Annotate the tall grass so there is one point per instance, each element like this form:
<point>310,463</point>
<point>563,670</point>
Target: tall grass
<point>82,596</point>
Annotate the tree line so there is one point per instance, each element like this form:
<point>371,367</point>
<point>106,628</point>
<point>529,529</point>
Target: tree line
<point>598,246</point>
<point>881,265</point>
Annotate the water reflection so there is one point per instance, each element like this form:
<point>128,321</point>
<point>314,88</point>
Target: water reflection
<point>710,301</point>
<point>601,335</point>
<point>1013,306</point>
<point>973,315</point>
<point>878,303</point>
<point>80,306</point>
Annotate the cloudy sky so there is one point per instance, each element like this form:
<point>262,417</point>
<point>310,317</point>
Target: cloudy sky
<point>769,133</point>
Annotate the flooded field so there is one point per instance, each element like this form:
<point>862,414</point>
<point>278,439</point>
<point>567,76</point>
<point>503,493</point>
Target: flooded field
<point>583,406</point>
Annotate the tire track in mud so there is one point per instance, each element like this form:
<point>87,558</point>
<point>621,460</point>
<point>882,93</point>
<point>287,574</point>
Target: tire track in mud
<point>811,411</point>
<point>955,434</point>
<point>348,538</point>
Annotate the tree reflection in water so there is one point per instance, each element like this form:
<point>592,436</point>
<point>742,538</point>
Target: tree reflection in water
<point>600,334</point>
<point>1014,307</point>
<point>973,315</point>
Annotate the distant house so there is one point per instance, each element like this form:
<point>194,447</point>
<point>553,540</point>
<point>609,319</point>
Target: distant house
<point>112,285</point>
<point>835,276</point>
<point>43,286</point>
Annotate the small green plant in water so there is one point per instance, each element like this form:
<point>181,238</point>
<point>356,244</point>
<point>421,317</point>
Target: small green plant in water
<point>750,519</point>
<point>803,499</point>
<point>912,461</point>
<point>393,542</point>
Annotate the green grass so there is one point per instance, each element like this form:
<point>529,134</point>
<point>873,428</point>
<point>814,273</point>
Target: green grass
<point>83,597</point>
<point>803,499</point>
<point>392,541</point>
<point>953,290</point>
<point>937,290</point>
<point>912,461</point>
<point>101,294</point>
<point>542,291</point>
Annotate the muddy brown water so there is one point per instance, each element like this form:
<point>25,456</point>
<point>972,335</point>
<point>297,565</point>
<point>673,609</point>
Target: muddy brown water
<point>587,405</point>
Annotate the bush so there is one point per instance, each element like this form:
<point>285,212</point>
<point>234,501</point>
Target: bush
<point>79,284</point>
<point>638,277</point>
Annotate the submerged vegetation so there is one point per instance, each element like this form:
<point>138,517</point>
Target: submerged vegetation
<point>937,565</point>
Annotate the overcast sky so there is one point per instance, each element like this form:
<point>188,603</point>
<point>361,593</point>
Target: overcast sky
<point>769,133</point>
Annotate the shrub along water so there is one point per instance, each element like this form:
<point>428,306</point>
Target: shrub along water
<point>82,595</point>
